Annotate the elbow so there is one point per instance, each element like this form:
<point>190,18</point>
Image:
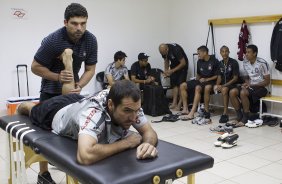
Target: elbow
<point>85,160</point>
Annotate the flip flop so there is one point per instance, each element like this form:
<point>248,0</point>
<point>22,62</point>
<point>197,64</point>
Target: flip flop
<point>235,124</point>
<point>185,118</point>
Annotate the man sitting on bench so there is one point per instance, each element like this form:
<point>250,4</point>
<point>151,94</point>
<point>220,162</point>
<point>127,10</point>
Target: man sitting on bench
<point>100,123</point>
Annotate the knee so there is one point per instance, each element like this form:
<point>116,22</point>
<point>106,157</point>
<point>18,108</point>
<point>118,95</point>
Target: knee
<point>208,88</point>
<point>183,86</point>
<point>244,93</point>
<point>233,93</point>
<point>198,89</point>
<point>224,91</point>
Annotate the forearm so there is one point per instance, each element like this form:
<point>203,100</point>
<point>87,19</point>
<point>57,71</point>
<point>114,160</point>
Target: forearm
<point>211,78</point>
<point>85,78</point>
<point>178,67</point>
<point>262,84</point>
<point>166,64</point>
<point>45,73</point>
<point>101,151</point>
<point>232,81</point>
<point>150,137</point>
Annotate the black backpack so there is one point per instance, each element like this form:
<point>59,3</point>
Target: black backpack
<point>155,103</point>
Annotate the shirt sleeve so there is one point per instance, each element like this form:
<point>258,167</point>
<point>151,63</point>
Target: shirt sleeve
<point>108,70</point>
<point>141,120</point>
<point>92,59</point>
<point>47,51</point>
<point>265,68</point>
<point>235,68</point>
<point>133,69</point>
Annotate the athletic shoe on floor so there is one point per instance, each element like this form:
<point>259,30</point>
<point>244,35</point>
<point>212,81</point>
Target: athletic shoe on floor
<point>45,178</point>
<point>254,124</point>
<point>222,129</point>
<point>230,141</point>
<point>221,140</point>
<point>224,118</point>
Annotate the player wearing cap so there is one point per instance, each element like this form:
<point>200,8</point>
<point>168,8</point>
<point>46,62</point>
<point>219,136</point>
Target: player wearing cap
<point>141,71</point>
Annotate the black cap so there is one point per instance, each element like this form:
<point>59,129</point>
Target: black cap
<point>142,56</point>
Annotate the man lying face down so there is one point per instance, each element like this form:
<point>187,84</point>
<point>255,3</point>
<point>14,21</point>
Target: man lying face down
<point>100,123</point>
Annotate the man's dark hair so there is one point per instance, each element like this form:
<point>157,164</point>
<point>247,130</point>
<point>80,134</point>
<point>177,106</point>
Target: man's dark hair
<point>122,89</point>
<point>203,48</point>
<point>119,55</point>
<point>224,47</point>
<point>75,10</point>
<point>254,48</point>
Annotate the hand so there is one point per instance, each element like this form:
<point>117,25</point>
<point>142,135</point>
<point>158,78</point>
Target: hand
<point>76,90</point>
<point>202,80</point>
<point>219,87</point>
<point>65,76</point>
<point>133,140</point>
<point>245,85</point>
<point>152,79</point>
<point>148,81</point>
<point>146,150</point>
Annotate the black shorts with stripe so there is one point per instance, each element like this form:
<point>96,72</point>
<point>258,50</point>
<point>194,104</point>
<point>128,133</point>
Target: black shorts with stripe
<point>43,113</point>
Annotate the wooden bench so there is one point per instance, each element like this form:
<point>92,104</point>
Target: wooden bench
<point>272,99</point>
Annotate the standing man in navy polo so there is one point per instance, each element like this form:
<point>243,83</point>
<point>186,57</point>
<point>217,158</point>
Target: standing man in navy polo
<point>175,66</point>
<point>58,61</point>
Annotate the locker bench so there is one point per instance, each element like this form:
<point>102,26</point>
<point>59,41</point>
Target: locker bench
<point>173,161</point>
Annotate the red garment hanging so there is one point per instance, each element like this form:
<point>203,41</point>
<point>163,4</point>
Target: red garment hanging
<point>244,38</point>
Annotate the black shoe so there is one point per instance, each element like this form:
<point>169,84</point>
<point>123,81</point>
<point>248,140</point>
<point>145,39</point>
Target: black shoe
<point>207,115</point>
<point>45,178</point>
<point>224,118</point>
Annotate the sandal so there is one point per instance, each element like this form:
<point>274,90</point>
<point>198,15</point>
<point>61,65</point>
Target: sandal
<point>235,124</point>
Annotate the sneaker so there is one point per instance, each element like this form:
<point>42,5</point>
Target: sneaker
<point>230,141</point>
<point>207,115</point>
<point>222,129</point>
<point>45,178</point>
<point>254,124</point>
<point>221,140</point>
<point>224,118</point>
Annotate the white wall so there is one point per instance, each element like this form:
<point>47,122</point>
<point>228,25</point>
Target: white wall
<point>189,26</point>
<point>129,25</point>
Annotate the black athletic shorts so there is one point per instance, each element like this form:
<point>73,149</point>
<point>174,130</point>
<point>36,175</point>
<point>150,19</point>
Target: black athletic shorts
<point>43,113</point>
<point>178,78</point>
<point>255,93</point>
<point>191,85</point>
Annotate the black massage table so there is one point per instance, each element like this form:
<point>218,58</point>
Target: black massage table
<point>172,162</point>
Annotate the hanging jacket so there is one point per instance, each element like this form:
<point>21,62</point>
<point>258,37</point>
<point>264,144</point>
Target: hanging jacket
<point>244,37</point>
<point>276,45</point>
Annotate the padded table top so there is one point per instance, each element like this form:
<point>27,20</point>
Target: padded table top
<point>122,168</point>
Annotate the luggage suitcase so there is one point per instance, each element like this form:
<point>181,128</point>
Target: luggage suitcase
<point>155,102</point>
<point>13,102</point>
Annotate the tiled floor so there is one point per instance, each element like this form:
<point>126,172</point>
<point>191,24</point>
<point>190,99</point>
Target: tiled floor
<point>257,158</point>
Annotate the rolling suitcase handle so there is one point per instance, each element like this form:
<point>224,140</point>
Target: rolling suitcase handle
<point>18,66</point>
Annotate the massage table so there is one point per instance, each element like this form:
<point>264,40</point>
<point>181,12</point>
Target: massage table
<point>172,162</point>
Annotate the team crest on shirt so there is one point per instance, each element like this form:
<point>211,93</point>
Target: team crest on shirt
<point>209,67</point>
<point>229,68</point>
<point>137,121</point>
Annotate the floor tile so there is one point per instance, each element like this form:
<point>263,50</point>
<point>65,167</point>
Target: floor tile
<point>254,177</point>
<point>249,162</point>
<point>268,154</point>
<point>274,170</point>
<point>227,170</point>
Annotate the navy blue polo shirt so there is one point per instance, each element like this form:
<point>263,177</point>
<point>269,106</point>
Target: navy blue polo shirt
<point>52,46</point>
<point>228,70</point>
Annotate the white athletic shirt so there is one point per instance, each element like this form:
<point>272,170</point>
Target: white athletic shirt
<point>256,71</point>
<point>90,117</point>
